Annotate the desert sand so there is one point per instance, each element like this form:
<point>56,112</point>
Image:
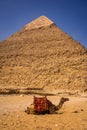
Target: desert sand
<point>72,116</point>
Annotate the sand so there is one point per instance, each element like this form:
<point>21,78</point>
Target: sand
<point>72,116</point>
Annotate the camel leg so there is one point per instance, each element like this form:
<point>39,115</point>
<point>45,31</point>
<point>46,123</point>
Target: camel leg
<point>27,110</point>
<point>30,110</point>
<point>52,110</point>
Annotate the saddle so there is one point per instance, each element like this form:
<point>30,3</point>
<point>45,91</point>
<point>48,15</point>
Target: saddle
<point>40,104</point>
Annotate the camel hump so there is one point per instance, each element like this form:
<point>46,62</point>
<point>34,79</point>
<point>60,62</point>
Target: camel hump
<point>40,104</point>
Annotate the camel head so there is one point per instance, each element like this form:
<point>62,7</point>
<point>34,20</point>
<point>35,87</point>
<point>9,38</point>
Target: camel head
<point>62,100</point>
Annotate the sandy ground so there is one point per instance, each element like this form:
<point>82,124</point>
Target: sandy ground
<point>72,116</point>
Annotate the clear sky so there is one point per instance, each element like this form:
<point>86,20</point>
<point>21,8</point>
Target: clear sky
<point>69,15</point>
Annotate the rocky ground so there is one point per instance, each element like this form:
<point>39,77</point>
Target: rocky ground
<point>72,116</point>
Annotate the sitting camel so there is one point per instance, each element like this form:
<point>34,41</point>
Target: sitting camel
<point>46,107</point>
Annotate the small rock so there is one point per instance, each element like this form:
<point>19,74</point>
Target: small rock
<point>75,112</point>
<point>4,114</point>
<point>81,109</point>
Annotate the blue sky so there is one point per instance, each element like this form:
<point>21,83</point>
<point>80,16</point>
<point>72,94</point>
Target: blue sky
<point>69,15</point>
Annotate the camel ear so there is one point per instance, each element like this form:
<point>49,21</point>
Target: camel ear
<point>62,98</point>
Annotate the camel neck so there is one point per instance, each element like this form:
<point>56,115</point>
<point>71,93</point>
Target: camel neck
<point>59,105</point>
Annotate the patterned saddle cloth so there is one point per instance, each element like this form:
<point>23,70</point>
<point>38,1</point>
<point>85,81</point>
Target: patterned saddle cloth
<point>40,104</point>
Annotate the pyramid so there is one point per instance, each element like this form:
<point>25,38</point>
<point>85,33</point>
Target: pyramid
<point>40,22</point>
<point>41,55</point>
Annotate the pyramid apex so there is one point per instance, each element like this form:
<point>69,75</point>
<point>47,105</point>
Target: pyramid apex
<point>41,21</point>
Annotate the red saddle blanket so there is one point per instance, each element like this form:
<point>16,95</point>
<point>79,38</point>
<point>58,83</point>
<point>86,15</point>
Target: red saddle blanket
<point>40,104</point>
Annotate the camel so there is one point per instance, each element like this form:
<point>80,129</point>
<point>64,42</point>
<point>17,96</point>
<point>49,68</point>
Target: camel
<point>51,108</point>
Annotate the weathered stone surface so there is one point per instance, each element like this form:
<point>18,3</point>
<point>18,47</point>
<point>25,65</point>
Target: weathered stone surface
<point>43,57</point>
